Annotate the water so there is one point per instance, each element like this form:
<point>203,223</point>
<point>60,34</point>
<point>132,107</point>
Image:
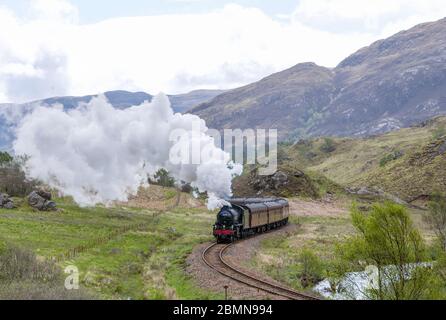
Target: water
<point>354,285</point>
<point>351,287</point>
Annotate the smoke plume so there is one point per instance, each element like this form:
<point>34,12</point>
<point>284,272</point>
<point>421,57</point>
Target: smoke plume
<point>98,154</point>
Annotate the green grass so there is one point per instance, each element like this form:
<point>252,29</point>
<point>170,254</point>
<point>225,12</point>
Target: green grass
<point>122,253</point>
<point>384,161</point>
<point>278,256</point>
<point>50,233</point>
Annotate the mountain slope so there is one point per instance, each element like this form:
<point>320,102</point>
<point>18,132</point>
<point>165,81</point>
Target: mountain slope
<point>10,114</point>
<point>184,102</point>
<point>408,162</point>
<point>286,100</point>
<point>121,99</point>
<point>391,84</point>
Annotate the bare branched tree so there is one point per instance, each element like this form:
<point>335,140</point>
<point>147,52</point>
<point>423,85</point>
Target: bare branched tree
<point>436,217</point>
<point>13,180</point>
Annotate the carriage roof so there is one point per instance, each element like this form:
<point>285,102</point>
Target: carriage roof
<point>259,204</point>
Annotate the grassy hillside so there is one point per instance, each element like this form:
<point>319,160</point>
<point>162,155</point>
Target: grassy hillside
<point>408,162</point>
<point>121,252</point>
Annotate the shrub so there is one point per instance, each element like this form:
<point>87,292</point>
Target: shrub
<point>435,217</point>
<point>163,179</point>
<point>388,241</point>
<point>5,158</point>
<point>439,132</point>
<point>32,290</point>
<point>390,157</point>
<point>13,180</point>
<point>187,188</point>
<point>311,268</point>
<point>170,194</point>
<point>19,264</point>
<point>328,146</point>
<point>24,277</point>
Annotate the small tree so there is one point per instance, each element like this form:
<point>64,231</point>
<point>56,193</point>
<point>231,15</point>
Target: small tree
<point>163,179</point>
<point>439,132</point>
<point>13,180</point>
<point>390,157</point>
<point>436,217</point>
<point>387,242</point>
<point>5,158</point>
<point>23,276</point>
<point>311,268</point>
<point>328,146</point>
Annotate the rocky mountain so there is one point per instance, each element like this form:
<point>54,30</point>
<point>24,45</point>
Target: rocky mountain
<point>391,84</point>
<point>10,113</point>
<point>184,102</point>
<point>121,99</point>
<point>118,99</point>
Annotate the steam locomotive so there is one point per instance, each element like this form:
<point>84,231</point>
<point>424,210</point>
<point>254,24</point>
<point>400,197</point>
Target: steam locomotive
<point>249,216</point>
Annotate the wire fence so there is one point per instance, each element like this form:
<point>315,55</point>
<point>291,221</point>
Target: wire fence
<point>74,252</point>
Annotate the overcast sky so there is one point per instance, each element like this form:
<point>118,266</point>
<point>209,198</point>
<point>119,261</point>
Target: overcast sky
<point>76,47</point>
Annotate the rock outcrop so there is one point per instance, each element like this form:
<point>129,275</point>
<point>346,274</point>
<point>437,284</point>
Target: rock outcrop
<point>286,182</point>
<point>6,202</point>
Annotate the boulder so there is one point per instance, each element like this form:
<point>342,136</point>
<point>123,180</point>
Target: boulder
<point>279,179</point>
<point>6,202</point>
<point>9,205</point>
<point>267,183</point>
<point>37,201</point>
<point>44,194</point>
<point>3,198</point>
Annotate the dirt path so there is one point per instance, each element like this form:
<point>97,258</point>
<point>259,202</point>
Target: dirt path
<point>324,208</point>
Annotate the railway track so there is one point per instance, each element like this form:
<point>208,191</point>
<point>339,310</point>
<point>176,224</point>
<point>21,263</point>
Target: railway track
<point>213,257</point>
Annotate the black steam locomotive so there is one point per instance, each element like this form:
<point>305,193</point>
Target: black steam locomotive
<point>249,216</point>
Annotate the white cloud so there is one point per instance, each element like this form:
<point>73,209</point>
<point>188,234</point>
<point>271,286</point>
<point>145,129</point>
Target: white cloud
<point>176,53</point>
<point>33,64</point>
<point>61,10</point>
<point>186,1</point>
<point>382,17</point>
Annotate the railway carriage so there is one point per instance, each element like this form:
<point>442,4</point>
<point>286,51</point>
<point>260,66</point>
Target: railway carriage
<point>249,216</point>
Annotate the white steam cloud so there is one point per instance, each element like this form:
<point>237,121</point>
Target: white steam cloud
<point>99,154</point>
